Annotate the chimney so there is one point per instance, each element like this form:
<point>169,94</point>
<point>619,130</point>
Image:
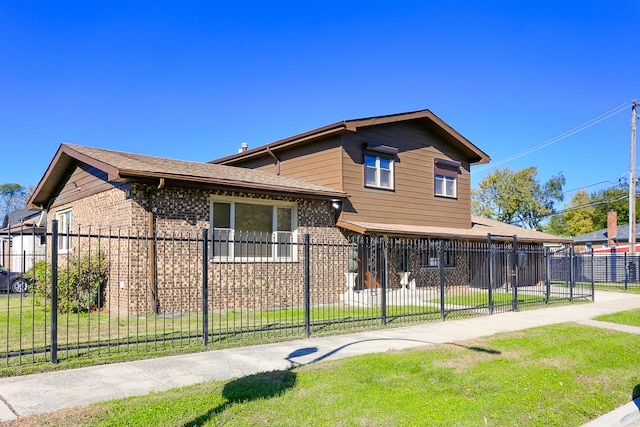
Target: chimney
<point>243,147</point>
<point>612,227</point>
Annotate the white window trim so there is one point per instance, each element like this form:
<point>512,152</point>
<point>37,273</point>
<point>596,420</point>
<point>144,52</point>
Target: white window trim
<point>274,235</point>
<point>64,230</point>
<point>377,169</point>
<point>444,179</point>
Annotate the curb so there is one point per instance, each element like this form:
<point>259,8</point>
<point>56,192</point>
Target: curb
<point>625,416</point>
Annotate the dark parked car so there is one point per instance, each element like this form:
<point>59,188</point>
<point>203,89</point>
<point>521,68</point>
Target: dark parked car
<point>10,281</point>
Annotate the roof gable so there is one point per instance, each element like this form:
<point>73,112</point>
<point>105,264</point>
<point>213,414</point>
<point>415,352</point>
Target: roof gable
<point>121,167</point>
<point>474,154</point>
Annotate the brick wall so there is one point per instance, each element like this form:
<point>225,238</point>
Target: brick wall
<point>118,221</point>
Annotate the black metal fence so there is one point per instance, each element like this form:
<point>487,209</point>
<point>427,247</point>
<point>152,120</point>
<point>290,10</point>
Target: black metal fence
<point>607,271</point>
<point>106,291</point>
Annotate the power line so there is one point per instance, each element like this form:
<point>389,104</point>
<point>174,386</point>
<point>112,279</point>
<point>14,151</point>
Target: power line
<point>597,183</point>
<point>588,205</point>
<point>593,121</point>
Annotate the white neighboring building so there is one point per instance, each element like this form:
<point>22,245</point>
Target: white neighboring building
<point>22,240</point>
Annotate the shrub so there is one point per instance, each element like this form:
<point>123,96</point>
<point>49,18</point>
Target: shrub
<point>81,283</point>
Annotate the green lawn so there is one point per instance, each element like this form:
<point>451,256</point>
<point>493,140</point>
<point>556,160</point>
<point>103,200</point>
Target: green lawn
<point>629,317</point>
<point>481,299</point>
<point>27,325</point>
<point>559,375</point>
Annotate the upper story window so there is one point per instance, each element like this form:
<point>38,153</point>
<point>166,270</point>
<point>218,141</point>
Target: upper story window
<point>446,178</point>
<point>254,230</point>
<point>65,219</point>
<point>378,166</point>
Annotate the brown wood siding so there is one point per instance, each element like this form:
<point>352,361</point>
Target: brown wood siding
<point>318,162</point>
<point>84,181</point>
<point>412,201</point>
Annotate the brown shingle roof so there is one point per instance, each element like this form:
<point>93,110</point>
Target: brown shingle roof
<point>121,166</point>
<point>478,230</point>
<point>476,156</point>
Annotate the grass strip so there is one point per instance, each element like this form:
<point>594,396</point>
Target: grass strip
<point>629,317</point>
<point>556,375</point>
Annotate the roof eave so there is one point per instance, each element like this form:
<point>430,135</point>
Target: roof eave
<point>461,234</point>
<point>129,175</point>
<point>57,170</point>
<point>478,156</point>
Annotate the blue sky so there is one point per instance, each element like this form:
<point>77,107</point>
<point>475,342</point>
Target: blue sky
<point>192,80</point>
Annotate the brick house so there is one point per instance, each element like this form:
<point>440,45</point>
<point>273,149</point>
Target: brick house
<point>398,176</point>
<point>95,192</point>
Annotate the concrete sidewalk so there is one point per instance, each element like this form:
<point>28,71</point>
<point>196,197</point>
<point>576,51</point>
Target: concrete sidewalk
<point>48,392</point>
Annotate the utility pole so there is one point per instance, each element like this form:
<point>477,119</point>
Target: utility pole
<point>632,183</point>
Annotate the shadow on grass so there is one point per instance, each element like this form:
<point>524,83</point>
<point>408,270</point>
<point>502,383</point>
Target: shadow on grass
<point>478,349</point>
<point>246,389</point>
<point>310,350</point>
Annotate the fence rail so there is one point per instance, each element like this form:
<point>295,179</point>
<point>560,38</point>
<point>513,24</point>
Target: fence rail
<point>100,292</point>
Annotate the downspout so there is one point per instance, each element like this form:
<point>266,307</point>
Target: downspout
<point>272,154</point>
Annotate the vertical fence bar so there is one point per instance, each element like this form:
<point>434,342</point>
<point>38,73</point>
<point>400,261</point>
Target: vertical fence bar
<point>593,281</point>
<point>307,286</point>
<point>489,271</point>
<point>547,274</point>
<point>54,291</point>
<point>514,274</point>
<point>572,279</point>
<point>442,290</point>
<point>205,286</point>
<point>627,272</point>
<point>383,280</point>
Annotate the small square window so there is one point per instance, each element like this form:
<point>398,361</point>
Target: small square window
<point>445,186</point>
<point>446,178</point>
<point>378,171</point>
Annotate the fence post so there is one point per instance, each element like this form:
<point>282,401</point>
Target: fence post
<point>307,286</point>
<point>205,286</point>
<point>54,291</point>
<point>442,293</point>
<point>514,274</point>
<point>547,270</point>
<point>572,279</point>
<point>626,272</point>
<point>593,280</point>
<point>383,279</point>
<point>490,263</point>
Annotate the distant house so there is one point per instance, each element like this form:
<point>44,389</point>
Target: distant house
<point>603,241</point>
<point>402,175</point>
<point>22,240</point>
<point>614,238</point>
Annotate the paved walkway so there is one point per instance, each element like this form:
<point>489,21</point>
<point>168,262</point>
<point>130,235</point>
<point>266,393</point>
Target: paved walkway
<point>48,392</point>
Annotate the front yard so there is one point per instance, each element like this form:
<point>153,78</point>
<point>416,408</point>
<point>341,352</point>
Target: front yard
<point>547,376</point>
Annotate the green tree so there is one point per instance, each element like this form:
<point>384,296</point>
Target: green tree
<point>517,197</point>
<point>580,214</point>
<point>557,225</point>
<point>12,197</point>
<point>614,198</point>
